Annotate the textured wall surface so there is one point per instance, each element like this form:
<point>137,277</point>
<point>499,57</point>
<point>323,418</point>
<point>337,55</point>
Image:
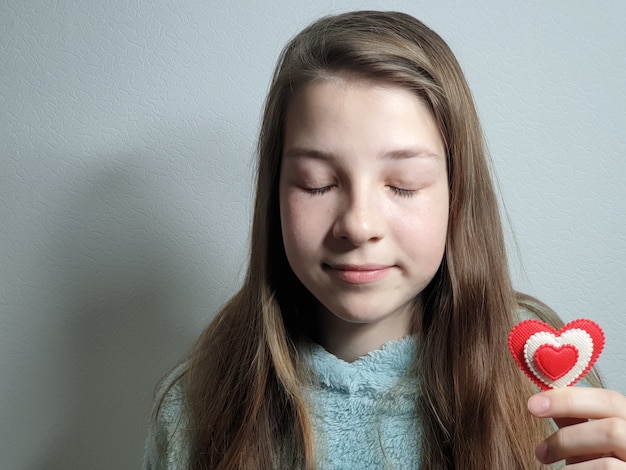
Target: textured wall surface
<point>127,133</point>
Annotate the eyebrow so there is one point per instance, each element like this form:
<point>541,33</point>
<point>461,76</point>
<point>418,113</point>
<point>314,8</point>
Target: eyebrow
<point>400,154</point>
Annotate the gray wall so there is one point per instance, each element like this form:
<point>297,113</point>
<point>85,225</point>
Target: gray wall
<point>127,133</point>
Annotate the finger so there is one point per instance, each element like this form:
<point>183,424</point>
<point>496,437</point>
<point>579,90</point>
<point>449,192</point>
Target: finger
<point>599,464</point>
<point>579,402</point>
<point>563,422</point>
<point>593,438</point>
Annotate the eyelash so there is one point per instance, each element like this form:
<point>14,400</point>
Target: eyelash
<point>403,192</point>
<point>397,191</point>
<point>319,191</point>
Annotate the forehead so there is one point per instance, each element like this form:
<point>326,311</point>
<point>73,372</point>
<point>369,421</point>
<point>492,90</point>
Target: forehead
<point>347,81</point>
<point>342,85</point>
<point>343,115</point>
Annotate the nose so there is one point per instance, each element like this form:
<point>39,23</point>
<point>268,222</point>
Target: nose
<point>359,218</point>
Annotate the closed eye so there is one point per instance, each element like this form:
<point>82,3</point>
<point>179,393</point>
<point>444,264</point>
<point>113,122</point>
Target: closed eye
<point>403,192</point>
<point>319,191</point>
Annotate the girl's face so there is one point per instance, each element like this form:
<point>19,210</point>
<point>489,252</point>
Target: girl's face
<point>363,201</point>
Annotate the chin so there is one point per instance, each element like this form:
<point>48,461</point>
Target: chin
<point>368,314</point>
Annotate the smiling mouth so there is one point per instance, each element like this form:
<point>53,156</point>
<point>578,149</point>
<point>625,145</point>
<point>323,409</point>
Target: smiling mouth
<point>357,274</point>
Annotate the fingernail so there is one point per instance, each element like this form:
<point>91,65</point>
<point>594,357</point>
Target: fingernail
<point>541,451</point>
<point>539,404</point>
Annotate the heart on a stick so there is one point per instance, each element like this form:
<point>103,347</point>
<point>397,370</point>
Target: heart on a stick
<point>556,358</point>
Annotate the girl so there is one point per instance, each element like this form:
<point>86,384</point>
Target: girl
<point>371,328</point>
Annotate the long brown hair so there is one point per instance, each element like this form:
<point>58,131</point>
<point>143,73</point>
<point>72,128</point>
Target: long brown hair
<point>244,380</point>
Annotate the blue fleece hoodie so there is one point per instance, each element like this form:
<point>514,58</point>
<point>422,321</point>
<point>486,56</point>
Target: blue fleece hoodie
<point>364,412</point>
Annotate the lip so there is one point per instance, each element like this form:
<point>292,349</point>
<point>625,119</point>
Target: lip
<point>358,273</point>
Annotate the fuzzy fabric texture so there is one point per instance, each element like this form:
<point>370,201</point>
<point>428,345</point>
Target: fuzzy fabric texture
<point>364,412</point>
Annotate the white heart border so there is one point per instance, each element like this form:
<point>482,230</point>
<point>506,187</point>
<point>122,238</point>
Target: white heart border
<point>576,337</point>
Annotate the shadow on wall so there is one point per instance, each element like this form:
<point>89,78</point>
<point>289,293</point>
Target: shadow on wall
<point>121,278</point>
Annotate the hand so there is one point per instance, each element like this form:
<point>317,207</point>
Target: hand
<point>592,424</point>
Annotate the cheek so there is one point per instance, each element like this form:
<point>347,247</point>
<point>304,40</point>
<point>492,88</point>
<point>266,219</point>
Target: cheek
<point>298,230</point>
<point>287,223</point>
<point>424,234</point>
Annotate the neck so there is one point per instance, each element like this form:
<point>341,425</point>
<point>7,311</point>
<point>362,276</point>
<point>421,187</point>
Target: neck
<point>349,341</point>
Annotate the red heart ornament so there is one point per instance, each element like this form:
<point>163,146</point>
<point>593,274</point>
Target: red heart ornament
<point>556,358</point>
<point>555,361</point>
